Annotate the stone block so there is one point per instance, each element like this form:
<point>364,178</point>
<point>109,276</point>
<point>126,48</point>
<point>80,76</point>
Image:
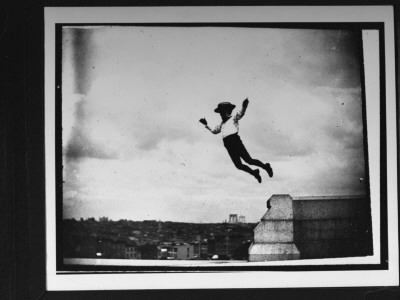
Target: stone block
<point>273,252</point>
<point>280,207</point>
<point>274,235</point>
<point>269,231</point>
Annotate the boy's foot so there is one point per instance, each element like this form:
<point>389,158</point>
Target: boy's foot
<point>257,175</point>
<point>269,169</point>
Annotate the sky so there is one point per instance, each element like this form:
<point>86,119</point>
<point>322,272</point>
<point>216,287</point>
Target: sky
<point>132,97</point>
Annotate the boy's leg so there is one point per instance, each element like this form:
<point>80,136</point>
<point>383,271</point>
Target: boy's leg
<point>269,170</point>
<point>238,164</point>
<point>251,161</point>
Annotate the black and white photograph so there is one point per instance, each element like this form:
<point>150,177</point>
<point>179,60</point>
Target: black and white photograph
<point>192,143</point>
<point>141,171</point>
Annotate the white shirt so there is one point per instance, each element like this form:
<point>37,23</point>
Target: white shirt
<point>231,126</point>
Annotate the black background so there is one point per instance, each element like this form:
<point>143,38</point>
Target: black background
<point>22,186</point>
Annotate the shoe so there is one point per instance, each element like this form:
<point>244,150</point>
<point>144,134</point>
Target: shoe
<point>257,175</point>
<point>269,170</point>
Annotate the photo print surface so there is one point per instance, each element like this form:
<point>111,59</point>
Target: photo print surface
<point>144,182</point>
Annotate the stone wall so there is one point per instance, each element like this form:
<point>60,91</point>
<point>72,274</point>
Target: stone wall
<point>313,227</point>
<point>337,226</point>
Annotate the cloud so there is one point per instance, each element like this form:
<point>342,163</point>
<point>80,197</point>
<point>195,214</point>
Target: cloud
<point>319,58</point>
<point>136,150</point>
<point>275,145</point>
<point>80,146</point>
<point>150,138</point>
<point>81,143</point>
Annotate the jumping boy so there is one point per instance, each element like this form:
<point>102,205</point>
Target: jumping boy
<point>232,142</point>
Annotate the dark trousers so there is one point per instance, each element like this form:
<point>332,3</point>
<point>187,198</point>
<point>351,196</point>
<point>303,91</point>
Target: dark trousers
<point>237,151</point>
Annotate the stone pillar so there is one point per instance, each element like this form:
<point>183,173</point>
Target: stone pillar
<point>274,235</point>
<point>233,219</point>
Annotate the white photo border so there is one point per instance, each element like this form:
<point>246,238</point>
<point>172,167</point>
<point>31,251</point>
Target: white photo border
<point>244,279</point>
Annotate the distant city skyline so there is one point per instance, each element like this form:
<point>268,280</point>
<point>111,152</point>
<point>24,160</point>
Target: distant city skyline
<point>106,219</point>
<point>132,97</point>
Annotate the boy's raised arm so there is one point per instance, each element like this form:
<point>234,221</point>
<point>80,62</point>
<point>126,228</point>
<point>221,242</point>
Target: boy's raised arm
<point>245,103</point>
<point>241,112</point>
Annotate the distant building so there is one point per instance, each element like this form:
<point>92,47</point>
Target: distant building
<point>204,249</point>
<point>118,249</point>
<point>196,249</point>
<point>132,253</point>
<point>80,246</point>
<point>136,233</point>
<point>200,249</point>
<point>133,239</point>
<point>108,248</point>
<point>114,239</point>
<point>225,245</point>
<point>182,251</point>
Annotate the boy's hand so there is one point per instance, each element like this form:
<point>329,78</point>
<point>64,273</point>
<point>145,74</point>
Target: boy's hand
<point>203,121</point>
<point>245,103</point>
